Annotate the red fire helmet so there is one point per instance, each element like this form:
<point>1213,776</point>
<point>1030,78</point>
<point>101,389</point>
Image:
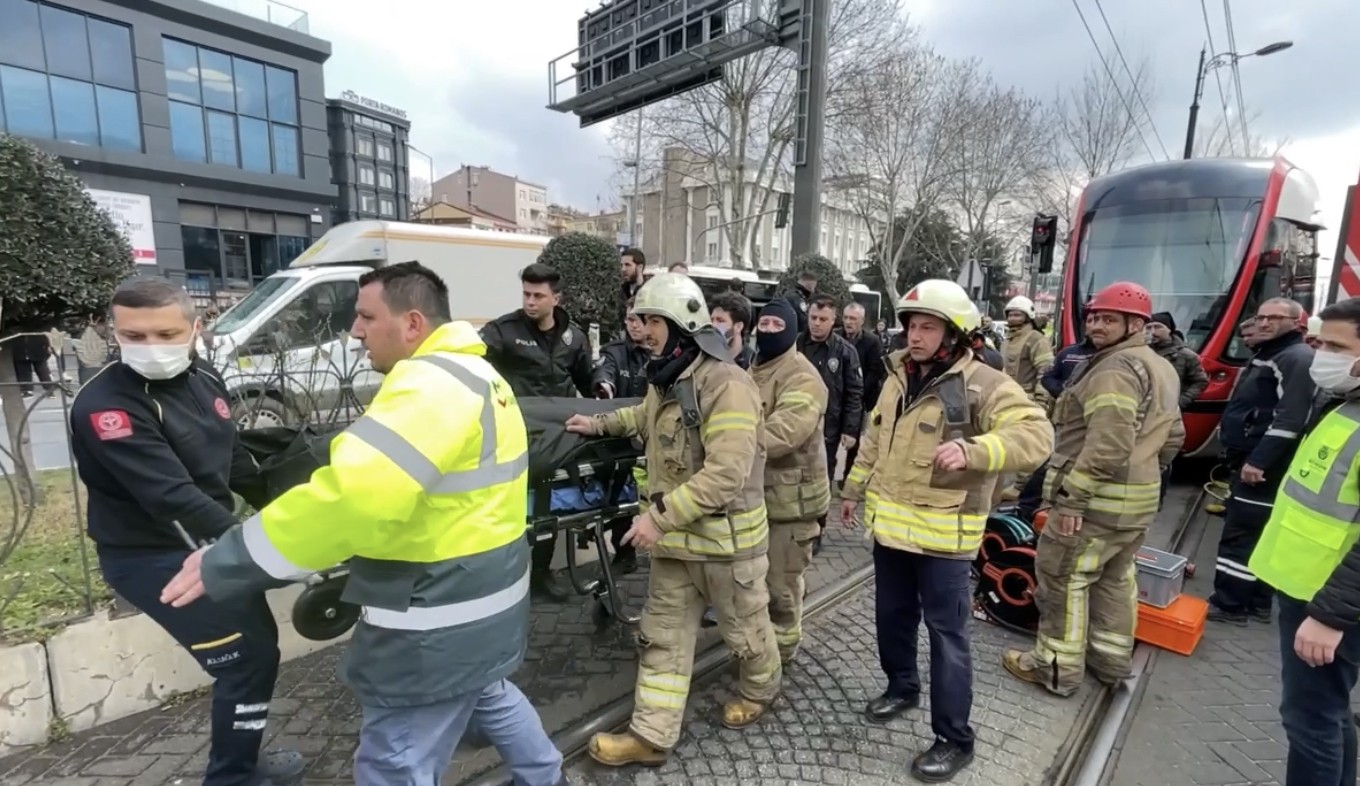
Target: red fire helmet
<point>1122,297</point>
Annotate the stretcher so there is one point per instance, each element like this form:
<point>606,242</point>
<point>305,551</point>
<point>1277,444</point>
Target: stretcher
<point>578,487</point>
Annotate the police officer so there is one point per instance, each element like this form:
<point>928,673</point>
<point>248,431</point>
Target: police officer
<point>800,297</point>
<point>1308,553</point>
<point>157,448</point>
<point>1260,430</point>
<point>622,373</point>
<point>541,353</point>
<point>838,362</point>
<point>425,497</point>
<point>797,487</point>
<point>706,527</point>
<point>1118,425</point>
<point>945,425</point>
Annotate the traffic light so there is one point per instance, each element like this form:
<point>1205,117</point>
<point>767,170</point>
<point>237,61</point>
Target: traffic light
<point>1044,240</point>
<point>781,214</point>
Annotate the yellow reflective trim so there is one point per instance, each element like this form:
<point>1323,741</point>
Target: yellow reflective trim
<point>684,503</point>
<point>1011,415</point>
<point>207,645</point>
<point>996,451</point>
<point>1115,400</point>
<point>858,474</point>
<point>728,421</point>
<point>950,533</point>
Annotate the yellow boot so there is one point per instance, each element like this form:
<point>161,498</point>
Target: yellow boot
<point>741,712</point>
<point>620,750</point>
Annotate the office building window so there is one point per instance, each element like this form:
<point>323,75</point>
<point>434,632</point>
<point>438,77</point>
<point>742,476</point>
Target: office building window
<point>368,203</point>
<point>234,248</point>
<point>232,111</point>
<point>366,175</point>
<point>712,252</point>
<point>363,146</point>
<point>66,76</point>
<point>389,208</point>
<point>386,180</point>
<point>384,152</point>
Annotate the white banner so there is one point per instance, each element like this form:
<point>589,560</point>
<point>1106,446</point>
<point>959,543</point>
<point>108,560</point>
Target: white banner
<point>132,214</point>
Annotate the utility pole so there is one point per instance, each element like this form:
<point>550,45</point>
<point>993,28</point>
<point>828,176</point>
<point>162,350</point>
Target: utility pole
<point>1194,107</point>
<point>815,17</point>
<point>633,212</point>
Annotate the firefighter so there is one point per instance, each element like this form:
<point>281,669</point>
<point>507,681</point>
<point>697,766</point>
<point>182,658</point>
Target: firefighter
<point>1260,429</point>
<point>706,526</point>
<point>1118,425</point>
<point>944,427</point>
<point>797,491</point>
<point>1308,553</point>
<point>1028,353</point>
<point>424,496</point>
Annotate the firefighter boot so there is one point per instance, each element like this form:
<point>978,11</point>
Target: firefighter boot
<point>620,750</point>
<point>1025,668</point>
<point>741,713</point>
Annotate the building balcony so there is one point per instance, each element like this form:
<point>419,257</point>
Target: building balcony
<point>270,11</point>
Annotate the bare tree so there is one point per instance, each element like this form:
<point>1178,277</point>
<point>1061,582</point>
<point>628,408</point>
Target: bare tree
<point>420,193</point>
<point>892,154</point>
<point>1101,124</point>
<point>1004,140</point>
<point>1221,140</point>
<point>734,136</point>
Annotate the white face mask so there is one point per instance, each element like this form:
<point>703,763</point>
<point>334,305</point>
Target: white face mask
<point>158,361</point>
<point>1331,371</point>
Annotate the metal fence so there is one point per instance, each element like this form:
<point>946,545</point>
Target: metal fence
<point>49,574</point>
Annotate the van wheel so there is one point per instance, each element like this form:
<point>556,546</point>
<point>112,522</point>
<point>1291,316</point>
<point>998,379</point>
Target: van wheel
<point>261,412</point>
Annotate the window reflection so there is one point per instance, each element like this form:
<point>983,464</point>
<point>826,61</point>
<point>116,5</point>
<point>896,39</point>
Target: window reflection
<point>64,39</point>
<point>73,109</point>
<point>28,112</point>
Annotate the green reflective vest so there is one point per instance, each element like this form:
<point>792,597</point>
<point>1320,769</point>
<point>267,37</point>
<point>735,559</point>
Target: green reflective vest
<point>1316,515</point>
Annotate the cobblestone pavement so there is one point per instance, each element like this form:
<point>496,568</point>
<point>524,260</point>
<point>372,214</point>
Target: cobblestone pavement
<point>575,666</point>
<point>1210,718</point>
<point>818,734</point>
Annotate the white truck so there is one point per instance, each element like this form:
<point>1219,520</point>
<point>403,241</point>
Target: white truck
<point>285,351</point>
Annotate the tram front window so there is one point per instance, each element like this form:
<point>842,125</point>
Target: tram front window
<point>1186,252</point>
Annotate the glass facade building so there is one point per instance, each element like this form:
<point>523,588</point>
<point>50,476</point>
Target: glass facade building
<point>370,160</point>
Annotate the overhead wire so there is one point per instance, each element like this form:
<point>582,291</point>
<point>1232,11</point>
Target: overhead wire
<point>1133,80</point>
<point>1218,78</point>
<point>1113,82</point>
<point>1237,77</point>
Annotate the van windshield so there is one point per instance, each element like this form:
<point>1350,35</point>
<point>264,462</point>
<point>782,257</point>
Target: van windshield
<point>250,305</point>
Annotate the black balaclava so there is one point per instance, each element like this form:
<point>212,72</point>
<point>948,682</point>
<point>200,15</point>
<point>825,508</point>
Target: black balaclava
<point>771,345</point>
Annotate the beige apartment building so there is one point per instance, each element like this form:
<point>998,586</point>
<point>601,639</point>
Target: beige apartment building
<point>680,219</point>
<point>497,194</point>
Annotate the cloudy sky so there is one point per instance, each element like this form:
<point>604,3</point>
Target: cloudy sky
<point>473,76</point>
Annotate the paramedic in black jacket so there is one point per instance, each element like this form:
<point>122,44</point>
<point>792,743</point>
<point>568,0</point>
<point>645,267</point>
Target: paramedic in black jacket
<point>1260,430</point>
<point>540,353</point>
<point>156,446</point>
<point>838,362</point>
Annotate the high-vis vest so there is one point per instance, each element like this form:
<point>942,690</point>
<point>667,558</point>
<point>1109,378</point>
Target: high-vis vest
<point>1315,520</point>
<point>426,496</point>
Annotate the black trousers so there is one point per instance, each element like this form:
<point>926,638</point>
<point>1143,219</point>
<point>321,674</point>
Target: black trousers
<point>25,370</point>
<point>1032,495</point>
<point>236,642</point>
<point>1246,512</point>
<point>912,587</point>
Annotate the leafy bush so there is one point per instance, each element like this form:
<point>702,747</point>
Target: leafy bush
<point>829,278</point>
<point>61,256</point>
<point>590,279</point>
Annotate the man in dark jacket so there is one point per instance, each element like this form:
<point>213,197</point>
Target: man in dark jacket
<point>1260,430</point>
<point>621,371</point>
<point>540,353</point>
<point>1168,343</point>
<point>633,266</point>
<point>871,365</point>
<point>801,295</point>
<point>978,340</point>
<point>732,316</point>
<point>1064,363</point>
<point>838,362</point>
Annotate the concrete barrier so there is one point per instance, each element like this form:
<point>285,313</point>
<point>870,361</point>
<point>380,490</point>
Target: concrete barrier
<point>102,669</point>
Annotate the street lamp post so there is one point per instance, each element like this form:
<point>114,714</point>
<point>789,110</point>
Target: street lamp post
<point>1218,61</point>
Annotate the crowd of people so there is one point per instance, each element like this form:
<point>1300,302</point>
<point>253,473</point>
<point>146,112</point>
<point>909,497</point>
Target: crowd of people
<point>744,414</point>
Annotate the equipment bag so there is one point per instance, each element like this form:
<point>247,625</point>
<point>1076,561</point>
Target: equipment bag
<point>553,448</point>
<point>288,455</point>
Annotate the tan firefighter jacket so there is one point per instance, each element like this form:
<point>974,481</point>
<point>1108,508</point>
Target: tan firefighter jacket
<point>705,462</point>
<point>1118,424</point>
<point>793,395</point>
<point>912,505</point>
<point>1028,355</point>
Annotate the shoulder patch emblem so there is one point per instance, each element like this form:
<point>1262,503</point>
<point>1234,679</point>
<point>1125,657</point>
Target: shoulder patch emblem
<point>223,411</point>
<point>111,424</point>
<point>567,337</point>
<point>833,365</point>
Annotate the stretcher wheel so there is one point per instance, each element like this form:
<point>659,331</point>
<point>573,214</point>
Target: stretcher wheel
<point>1005,590</point>
<point>600,612</point>
<point>320,615</point>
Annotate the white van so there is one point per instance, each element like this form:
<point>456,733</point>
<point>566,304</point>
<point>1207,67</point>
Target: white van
<point>285,349</point>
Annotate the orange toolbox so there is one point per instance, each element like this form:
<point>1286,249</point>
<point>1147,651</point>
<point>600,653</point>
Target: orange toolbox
<point>1178,627</point>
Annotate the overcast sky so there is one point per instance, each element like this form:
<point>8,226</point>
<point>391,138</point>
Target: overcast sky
<point>473,76</point>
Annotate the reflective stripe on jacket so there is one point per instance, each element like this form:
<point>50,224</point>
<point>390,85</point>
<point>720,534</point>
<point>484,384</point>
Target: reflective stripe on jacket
<point>715,511</point>
<point>1313,525</point>
<point>912,505</point>
<point>1118,424</point>
<point>426,496</point>
<point>793,396</point>
<point>1028,356</point>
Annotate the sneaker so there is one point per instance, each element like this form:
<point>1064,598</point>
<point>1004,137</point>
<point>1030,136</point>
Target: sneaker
<point>1217,614</point>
